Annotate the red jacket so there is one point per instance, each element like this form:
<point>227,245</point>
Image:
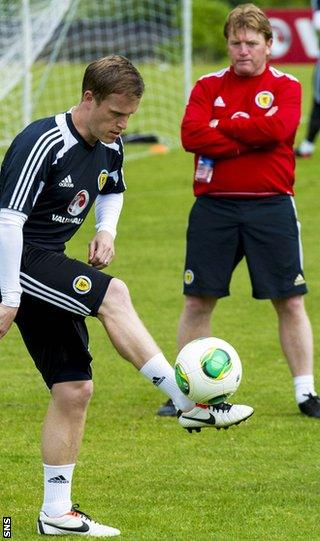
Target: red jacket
<point>253,153</point>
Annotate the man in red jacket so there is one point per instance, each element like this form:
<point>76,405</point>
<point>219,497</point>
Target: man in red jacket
<point>240,124</point>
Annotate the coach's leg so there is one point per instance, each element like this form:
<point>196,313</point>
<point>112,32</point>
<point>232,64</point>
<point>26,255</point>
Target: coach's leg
<point>61,439</point>
<point>295,334</point>
<point>194,322</point>
<point>297,343</point>
<point>195,319</point>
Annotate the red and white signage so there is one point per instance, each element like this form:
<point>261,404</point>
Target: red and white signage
<point>294,37</point>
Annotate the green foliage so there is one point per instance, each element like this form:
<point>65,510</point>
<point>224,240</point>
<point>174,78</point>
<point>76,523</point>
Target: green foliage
<point>208,20</point>
<point>135,9</point>
<point>207,32</point>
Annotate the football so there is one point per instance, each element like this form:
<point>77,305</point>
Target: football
<point>208,370</point>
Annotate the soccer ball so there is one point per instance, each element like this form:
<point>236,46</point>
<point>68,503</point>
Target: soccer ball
<point>208,370</point>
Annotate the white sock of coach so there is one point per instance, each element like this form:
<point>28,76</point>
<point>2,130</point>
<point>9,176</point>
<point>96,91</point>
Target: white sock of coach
<point>303,386</point>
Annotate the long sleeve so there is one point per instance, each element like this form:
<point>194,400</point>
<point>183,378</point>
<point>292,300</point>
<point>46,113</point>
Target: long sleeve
<point>267,130</point>
<point>108,209</point>
<point>196,134</point>
<point>11,242</point>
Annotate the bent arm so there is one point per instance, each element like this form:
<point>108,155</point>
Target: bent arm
<point>267,130</point>
<point>101,248</point>
<point>199,137</point>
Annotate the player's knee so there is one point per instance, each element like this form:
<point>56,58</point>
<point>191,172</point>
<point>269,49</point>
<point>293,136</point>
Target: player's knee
<point>84,393</point>
<point>117,297</point>
<point>199,306</point>
<point>73,396</point>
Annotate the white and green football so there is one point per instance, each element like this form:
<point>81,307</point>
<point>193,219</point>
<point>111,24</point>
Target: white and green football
<point>208,370</point>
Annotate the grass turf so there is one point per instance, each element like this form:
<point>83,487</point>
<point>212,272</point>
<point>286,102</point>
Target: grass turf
<point>143,474</point>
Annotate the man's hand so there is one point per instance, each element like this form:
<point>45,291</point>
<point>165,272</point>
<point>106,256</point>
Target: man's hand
<point>7,315</point>
<point>272,111</point>
<point>214,123</point>
<point>101,250</point>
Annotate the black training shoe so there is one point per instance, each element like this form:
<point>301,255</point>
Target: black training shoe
<point>311,406</point>
<point>167,409</point>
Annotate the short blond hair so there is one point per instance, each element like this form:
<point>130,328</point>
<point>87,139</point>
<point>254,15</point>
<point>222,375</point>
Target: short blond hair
<point>113,74</point>
<point>248,17</point>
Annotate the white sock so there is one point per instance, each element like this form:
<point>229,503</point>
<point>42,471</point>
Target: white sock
<point>161,374</point>
<point>57,489</point>
<point>303,386</point>
<point>306,146</point>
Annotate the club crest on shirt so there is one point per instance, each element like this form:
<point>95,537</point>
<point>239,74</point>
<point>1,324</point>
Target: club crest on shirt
<point>82,284</point>
<point>78,203</point>
<point>102,179</point>
<point>264,99</point>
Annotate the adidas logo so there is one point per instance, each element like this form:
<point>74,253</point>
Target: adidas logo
<point>299,280</point>
<point>66,182</point>
<point>218,102</point>
<point>157,381</point>
<point>59,479</point>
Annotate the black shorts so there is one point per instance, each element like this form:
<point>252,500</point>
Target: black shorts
<point>265,231</point>
<point>58,293</point>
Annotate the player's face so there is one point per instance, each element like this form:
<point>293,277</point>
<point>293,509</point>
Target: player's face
<point>248,51</point>
<point>108,119</point>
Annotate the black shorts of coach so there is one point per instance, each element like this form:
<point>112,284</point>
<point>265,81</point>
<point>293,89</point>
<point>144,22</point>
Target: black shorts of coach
<point>58,293</point>
<point>264,230</point>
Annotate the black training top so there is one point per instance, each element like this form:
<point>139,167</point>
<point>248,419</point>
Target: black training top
<point>52,175</point>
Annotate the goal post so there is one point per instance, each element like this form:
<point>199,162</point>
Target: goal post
<point>46,44</point>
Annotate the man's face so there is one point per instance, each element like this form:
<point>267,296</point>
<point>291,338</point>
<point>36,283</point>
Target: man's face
<point>248,51</point>
<point>108,119</point>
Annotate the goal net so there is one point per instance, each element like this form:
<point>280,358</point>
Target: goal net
<point>46,44</point>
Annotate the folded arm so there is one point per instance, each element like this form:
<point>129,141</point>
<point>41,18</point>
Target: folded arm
<point>268,129</point>
<point>198,136</point>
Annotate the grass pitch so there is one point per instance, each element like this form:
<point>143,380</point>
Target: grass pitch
<point>144,474</point>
